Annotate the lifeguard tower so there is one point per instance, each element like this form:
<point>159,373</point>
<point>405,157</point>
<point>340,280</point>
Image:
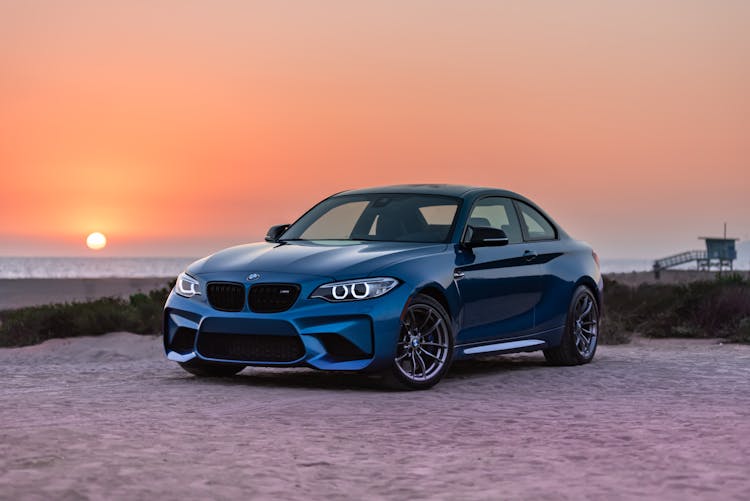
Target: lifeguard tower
<point>720,253</point>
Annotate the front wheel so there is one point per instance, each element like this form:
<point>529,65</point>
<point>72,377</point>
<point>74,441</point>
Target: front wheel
<point>425,346</point>
<point>207,369</point>
<point>581,331</point>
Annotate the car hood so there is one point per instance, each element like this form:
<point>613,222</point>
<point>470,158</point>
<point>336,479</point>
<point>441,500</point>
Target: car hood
<point>337,260</point>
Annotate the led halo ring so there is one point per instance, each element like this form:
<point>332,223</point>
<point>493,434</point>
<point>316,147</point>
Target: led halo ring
<point>355,290</point>
<point>187,286</point>
<point>360,296</point>
<point>336,288</point>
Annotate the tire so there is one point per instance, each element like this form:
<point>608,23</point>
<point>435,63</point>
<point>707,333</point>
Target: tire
<point>579,340</point>
<point>207,369</point>
<point>424,349</point>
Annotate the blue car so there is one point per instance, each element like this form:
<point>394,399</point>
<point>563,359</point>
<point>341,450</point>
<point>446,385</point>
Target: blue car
<point>398,280</point>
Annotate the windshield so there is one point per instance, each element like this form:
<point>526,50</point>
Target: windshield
<point>379,217</point>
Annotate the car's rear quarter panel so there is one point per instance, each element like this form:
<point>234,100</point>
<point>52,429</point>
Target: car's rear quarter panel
<point>573,266</point>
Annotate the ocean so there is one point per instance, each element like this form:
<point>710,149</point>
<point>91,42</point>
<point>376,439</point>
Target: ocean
<point>96,267</point>
<point>143,267</point>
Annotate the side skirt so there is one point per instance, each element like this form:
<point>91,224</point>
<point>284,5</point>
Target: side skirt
<point>534,342</point>
<point>507,346</point>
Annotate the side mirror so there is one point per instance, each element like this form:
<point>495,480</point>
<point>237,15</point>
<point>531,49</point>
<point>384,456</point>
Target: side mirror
<point>484,236</point>
<point>275,232</point>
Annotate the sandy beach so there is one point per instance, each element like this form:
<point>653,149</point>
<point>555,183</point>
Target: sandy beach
<point>18,293</point>
<point>109,418</point>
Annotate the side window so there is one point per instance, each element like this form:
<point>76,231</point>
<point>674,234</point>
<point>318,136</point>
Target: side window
<point>497,212</point>
<point>536,226</point>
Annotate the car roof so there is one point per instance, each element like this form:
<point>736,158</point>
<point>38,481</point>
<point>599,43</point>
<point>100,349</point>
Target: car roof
<point>453,190</point>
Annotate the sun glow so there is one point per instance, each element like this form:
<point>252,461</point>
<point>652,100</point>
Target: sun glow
<point>96,241</point>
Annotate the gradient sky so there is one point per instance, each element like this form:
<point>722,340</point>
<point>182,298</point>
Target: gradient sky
<point>178,128</point>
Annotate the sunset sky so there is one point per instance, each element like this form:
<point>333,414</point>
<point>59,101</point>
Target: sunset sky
<point>178,128</point>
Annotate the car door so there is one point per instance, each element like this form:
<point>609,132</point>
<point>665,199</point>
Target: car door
<point>499,286</point>
<point>542,239</point>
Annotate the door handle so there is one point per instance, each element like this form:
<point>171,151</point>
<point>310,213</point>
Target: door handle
<point>529,255</point>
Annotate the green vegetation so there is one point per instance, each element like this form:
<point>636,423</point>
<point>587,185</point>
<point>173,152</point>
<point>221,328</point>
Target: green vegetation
<point>713,309</point>
<point>709,309</point>
<point>140,314</point>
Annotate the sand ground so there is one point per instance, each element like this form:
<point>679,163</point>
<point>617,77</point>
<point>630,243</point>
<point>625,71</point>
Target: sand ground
<point>110,418</point>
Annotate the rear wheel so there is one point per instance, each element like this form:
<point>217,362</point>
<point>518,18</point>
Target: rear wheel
<point>208,369</point>
<point>581,334</point>
<point>425,346</point>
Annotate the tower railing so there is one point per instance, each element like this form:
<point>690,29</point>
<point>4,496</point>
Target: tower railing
<point>683,257</point>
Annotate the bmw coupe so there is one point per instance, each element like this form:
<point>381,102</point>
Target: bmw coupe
<point>398,280</point>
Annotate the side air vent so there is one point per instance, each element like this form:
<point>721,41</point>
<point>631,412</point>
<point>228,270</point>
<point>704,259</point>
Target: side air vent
<point>183,340</point>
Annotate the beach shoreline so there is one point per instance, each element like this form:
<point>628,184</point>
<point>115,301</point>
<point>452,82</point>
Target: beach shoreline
<point>23,292</point>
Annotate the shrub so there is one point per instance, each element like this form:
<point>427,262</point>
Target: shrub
<point>743,331</point>
<point>719,308</point>
<point>705,309</point>
<point>140,314</point>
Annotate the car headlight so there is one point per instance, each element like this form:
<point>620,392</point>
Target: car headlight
<point>355,290</point>
<point>187,286</point>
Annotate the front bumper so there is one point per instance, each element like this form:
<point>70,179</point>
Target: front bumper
<point>349,336</point>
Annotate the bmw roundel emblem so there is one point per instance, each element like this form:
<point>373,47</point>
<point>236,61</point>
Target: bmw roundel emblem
<point>253,276</point>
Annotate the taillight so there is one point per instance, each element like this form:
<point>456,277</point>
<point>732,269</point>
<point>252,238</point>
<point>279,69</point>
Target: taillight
<point>596,258</point>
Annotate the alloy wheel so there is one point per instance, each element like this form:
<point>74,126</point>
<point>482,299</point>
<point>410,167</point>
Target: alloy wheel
<point>586,327</point>
<point>423,344</point>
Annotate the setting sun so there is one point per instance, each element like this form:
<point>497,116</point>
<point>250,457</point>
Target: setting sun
<point>96,241</point>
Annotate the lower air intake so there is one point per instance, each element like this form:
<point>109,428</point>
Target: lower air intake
<point>250,347</point>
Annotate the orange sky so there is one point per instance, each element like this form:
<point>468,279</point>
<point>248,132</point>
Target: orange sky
<point>177,128</point>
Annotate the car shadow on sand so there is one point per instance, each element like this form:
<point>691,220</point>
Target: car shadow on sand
<point>490,365</point>
<point>460,371</point>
